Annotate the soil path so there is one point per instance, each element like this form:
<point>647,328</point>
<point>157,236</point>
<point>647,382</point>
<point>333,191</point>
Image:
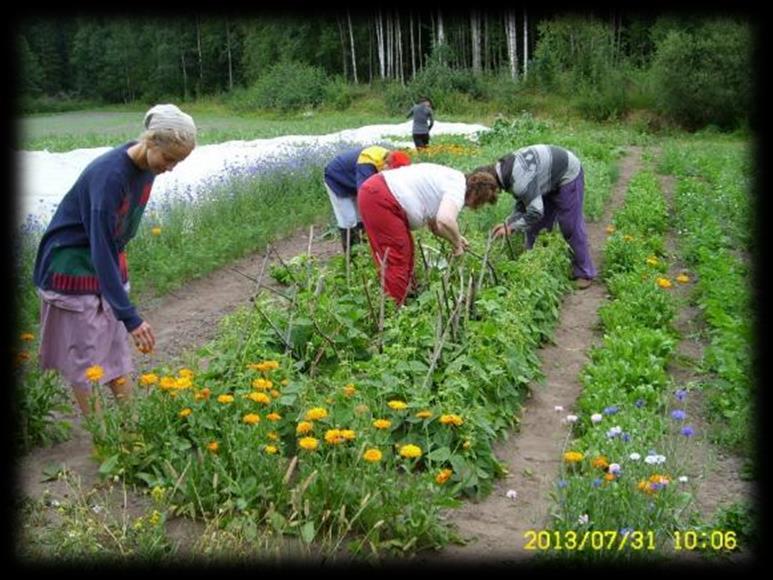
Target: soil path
<point>496,525</point>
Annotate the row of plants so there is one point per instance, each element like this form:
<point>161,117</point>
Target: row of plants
<point>623,471</point>
<point>715,225</point>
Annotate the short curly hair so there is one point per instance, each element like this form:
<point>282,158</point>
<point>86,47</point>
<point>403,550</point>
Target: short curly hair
<point>482,188</point>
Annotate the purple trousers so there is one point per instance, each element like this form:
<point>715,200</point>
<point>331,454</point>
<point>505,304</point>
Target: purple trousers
<point>564,205</point>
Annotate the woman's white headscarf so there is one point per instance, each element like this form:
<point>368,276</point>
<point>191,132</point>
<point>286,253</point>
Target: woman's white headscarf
<point>163,118</point>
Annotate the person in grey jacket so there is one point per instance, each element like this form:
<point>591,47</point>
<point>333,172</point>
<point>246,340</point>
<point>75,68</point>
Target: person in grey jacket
<point>548,185</point>
<point>422,122</point>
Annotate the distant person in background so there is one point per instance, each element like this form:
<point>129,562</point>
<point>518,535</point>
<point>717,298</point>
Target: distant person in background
<point>81,270</point>
<point>397,201</point>
<point>422,122</point>
<point>548,185</point>
<point>344,176</point>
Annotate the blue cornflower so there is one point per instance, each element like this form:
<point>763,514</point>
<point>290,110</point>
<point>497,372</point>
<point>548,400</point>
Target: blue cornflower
<point>639,404</point>
<point>678,414</point>
<point>562,483</point>
<point>680,394</point>
<point>596,482</point>
<point>611,410</point>
<point>625,437</point>
<point>687,431</point>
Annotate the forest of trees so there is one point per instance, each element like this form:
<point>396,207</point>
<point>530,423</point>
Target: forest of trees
<point>279,60</point>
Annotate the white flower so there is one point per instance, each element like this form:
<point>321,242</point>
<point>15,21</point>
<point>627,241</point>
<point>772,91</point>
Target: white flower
<point>596,417</point>
<point>96,508</point>
<point>571,419</point>
<point>511,494</point>
<point>55,503</point>
<point>614,468</point>
<point>654,459</point>
<point>683,479</point>
<point>583,519</point>
<point>614,431</point>
<point>634,457</point>
<point>558,408</point>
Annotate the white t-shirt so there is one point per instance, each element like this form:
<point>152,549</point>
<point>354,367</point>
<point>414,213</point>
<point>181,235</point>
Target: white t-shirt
<point>419,189</point>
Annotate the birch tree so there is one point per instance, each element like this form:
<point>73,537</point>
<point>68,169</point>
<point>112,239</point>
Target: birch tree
<point>512,43</point>
<point>351,44</point>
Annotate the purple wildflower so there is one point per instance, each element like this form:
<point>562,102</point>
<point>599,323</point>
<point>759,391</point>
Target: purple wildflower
<point>687,431</point>
<point>678,414</point>
<point>596,482</point>
<point>680,394</point>
<point>611,410</point>
<point>639,404</point>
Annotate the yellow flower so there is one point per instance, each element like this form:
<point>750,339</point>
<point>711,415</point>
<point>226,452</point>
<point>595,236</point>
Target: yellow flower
<point>154,518</point>
<point>600,462</point>
<point>382,424</point>
<point>251,419</point>
<point>183,383</point>
<point>334,437</point>
<point>350,390</point>
<point>273,435</point>
<point>398,405</point>
<point>424,414</point>
<point>652,261</point>
<point>275,393</point>
<point>451,420</point>
<point>573,456</point>
<point>259,398</point>
<point>315,414</point>
<point>262,384</point>
<point>273,416</point>
<point>410,451</point>
<point>203,394</point>
<point>225,399</point>
<point>628,238</point>
<point>265,366</point>
<point>185,373</point>
<point>155,230</point>
<point>304,427</point>
<point>309,443</point>
<point>120,381</point>
<point>663,282</point>
<point>27,336</point>
<point>158,493</point>
<point>185,412</point>
<point>94,373</point>
<point>372,455</point>
<point>683,278</point>
<point>148,379</point>
<point>167,383</point>
<point>270,449</point>
<point>466,444</point>
<point>213,447</point>
<point>443,476</point>
<point>348,434</point>
<point>610,229</point>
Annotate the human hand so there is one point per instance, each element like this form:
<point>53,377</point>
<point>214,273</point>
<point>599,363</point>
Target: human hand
<point>144,339</point>
<point>500,231</point>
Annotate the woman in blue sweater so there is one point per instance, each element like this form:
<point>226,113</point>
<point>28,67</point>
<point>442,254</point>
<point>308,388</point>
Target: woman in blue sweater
<point>81,270</point>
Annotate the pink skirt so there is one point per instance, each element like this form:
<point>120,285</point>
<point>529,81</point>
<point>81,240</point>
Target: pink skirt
<point>78,331</point>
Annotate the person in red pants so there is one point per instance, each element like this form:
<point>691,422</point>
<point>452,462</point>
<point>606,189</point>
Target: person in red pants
<point>396,201</point>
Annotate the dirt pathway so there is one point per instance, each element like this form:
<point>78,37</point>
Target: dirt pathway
<point>495,526</point>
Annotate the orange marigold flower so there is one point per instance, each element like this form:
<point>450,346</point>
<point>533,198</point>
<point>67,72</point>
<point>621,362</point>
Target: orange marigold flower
<point>148,379</point>
<point>600,462</point>
<point>372,455</point>
<point>573,456</point>
<point>262,384</point>
<point>183,383</point>
<point>185,373</point>
<point>304,427</point>
<point>167,383</point>
<point>308,443</point>
<point>259,398</point>
<point>251,419</point>
<point>334,437</point>
<point>410,451</point>
<point>443,476</point>
<point>214,447</point>
<point>350,390</point>
<point>348,434</point>
<point>455,420</point>
<point>273,416</point>
<point>94,373</point>
<point>424,414</point>
<point>203,394</point>
<point>663,282</point>
<point>225,399</point>
<point>382,424</point>
<point>316,414</point>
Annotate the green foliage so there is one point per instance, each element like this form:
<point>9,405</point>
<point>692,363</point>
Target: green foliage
<point>703,75</point>
<point>285,86</point>
<point>40,401</point>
